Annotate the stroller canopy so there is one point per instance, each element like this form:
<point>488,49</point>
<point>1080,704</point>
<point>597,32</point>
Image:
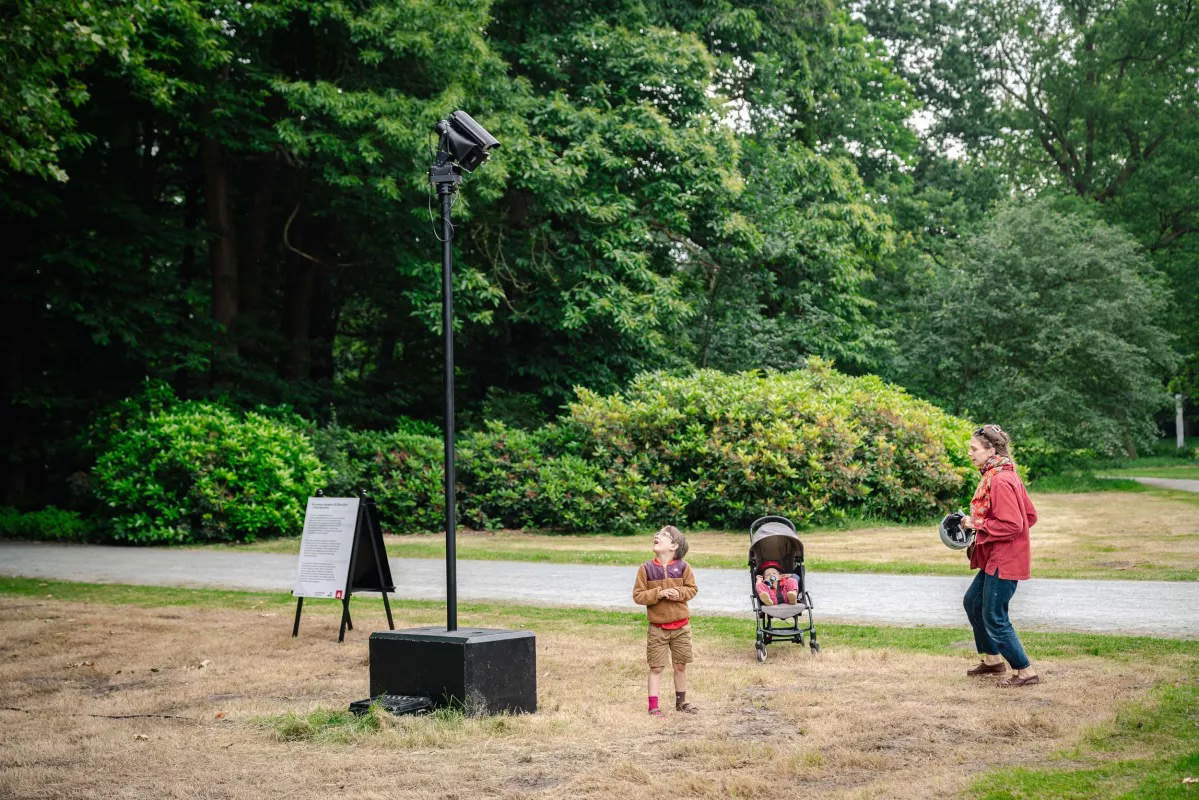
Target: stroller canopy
<point>775,539</point>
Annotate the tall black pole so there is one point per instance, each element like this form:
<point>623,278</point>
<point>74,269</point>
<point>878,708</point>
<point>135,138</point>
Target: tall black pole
<point>446,192</point>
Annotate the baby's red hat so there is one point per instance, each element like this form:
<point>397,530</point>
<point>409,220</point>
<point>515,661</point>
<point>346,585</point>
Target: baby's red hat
<point>765,565</point>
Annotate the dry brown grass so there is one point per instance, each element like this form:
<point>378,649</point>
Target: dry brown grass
<point>102,701</point>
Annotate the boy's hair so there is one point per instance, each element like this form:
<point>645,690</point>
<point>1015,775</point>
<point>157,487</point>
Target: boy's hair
<point>678,539</point>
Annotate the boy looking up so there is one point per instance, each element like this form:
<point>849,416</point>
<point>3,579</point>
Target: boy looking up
<point>664,585</point>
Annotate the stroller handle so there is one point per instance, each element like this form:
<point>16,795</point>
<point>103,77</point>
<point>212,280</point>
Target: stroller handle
<point>760,521</point>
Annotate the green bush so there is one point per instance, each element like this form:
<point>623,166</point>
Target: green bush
<point>1039,459</point>
<point>510,477</point>
<point>498,469</point>
<point>197,472</point>
<point>402,470</point>
<point>707,448</point>
<point>811,444</point>
<point>49,524</point>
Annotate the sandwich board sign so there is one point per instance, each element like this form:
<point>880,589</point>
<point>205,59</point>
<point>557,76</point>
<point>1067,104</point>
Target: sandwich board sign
<point>341,551</point>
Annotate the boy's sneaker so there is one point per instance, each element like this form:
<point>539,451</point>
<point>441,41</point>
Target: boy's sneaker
<point>687,708</point>
<point>656,712</point>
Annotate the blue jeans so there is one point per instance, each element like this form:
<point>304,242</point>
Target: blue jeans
<point>986,605</point>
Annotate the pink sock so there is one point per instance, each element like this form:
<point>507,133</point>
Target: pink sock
<point>653,703</point>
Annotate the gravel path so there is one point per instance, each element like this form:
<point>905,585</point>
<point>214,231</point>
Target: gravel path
<point>1156,608</point>
<point>1181,484</point>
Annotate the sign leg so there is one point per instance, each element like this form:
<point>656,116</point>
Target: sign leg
<point>345,618</point>
<point>387,607</point>
<point>295,628</point>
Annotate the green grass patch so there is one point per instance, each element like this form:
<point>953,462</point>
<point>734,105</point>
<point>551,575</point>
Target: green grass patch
<point>1072,482</point>
<point>1181,472</point>
<point>1076,482</point>
<point>1179,495</point>
<point>735,630</point>
<point>1170,457</point>
<point>1157,741</point>
<point>442,727</point>
<point>322,726</point>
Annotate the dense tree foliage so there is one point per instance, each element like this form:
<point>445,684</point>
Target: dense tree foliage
<point>1095,100</point>
<point>1047,321</point>
<point>232,196</point>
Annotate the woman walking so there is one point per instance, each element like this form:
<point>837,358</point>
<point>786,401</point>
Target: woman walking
<point>1000,514</point>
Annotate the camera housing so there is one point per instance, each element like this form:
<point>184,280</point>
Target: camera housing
<point>464,141</point>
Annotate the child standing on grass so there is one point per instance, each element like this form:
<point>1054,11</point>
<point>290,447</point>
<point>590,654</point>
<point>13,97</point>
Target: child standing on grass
<point>664,585</point>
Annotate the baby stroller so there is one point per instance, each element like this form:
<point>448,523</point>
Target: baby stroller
<point>774,539</point>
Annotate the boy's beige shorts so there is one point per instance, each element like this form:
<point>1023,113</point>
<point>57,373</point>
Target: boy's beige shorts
<point>659,642</point>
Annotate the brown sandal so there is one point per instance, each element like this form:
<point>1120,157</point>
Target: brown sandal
<point>1016,680</point>
<point>984,668</point>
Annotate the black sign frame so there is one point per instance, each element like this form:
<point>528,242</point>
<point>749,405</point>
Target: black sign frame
<point>368,570</point>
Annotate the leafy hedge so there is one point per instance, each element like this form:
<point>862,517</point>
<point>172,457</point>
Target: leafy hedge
<point>51,524</point>
<point>714,449</point>
<point>704,449</point>
<point>1037,458</point>
<point>403,471</point>
<point>517,479</point>
<point>200,472</point>
<point>810,444</point>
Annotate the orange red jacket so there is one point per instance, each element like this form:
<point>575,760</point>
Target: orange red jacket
<point>1001,544</point>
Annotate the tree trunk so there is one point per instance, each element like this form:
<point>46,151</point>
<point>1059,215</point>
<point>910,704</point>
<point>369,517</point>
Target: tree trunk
<point>251,272</point>
<point>222,247</point>
<point>15,422</point>
<point>324,325</point>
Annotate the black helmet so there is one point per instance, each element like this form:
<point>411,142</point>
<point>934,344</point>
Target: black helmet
<point>953,534</point>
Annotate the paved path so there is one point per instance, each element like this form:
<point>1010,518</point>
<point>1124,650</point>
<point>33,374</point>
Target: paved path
<point>1156,608</point>
<point>1181,484</point>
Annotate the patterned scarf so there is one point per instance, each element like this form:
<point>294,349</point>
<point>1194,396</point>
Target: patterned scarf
<point>980,506</point>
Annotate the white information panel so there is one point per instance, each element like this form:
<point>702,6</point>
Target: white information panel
<point>326,547</point>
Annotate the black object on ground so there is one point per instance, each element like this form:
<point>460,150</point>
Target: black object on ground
<point>397,704</point>
<point>482,670</point>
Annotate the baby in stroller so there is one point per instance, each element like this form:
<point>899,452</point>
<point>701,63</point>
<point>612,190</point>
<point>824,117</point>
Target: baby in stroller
<point>773,588</point>
<point>780,596</point>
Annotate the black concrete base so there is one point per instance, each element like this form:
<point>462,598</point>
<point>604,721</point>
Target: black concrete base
<point>487,670</point>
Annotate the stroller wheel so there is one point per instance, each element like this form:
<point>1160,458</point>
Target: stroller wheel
<point>815,647</point>
<point>761,648</point>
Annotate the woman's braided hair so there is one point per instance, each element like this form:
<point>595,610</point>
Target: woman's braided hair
<point>995,437</point>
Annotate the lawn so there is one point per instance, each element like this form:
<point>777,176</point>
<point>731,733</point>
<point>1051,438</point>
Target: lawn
<point>1187,471</point>
<point>1124,535</point>
<point>150,692</point>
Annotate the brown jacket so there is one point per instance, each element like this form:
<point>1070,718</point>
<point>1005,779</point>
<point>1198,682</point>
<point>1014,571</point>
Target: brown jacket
<point>653,577</point>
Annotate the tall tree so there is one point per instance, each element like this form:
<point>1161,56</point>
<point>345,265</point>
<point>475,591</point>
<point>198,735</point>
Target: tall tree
<point>1097,100</point>
<point>1050,323</point>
